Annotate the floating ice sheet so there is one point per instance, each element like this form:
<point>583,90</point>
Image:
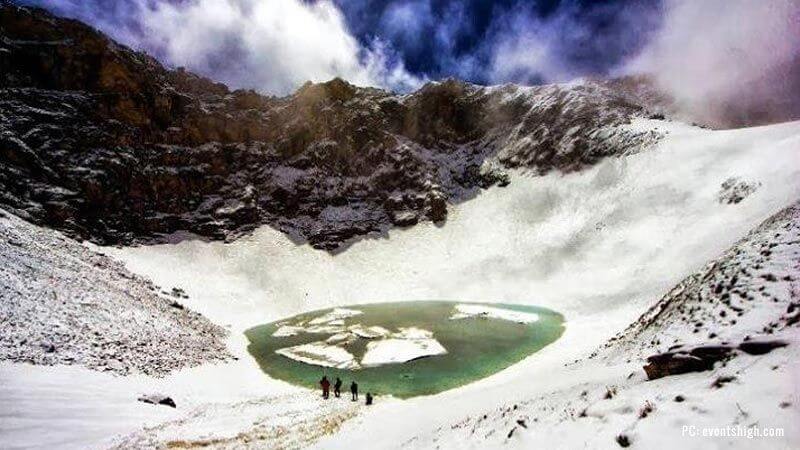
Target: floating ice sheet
<point>465,311</point>
<point>343,338</point>
<point>288,330</point>
<point>325,329</point>
<point>398,350</point>
<point>372,332</point>
<point>334,316</point>
<point>413,333</point>
<point>320,354</point>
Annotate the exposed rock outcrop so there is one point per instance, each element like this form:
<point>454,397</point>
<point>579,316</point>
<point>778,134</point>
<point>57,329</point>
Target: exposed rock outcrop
<point>106,144</point>
<point>158,399</point>
<point>680,360</point>
<point>734,190</point>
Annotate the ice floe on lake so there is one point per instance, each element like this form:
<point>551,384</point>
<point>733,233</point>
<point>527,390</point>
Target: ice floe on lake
<point>413,333</point>
<point>397,350</point>
<point>288,330</point>
<point>321,354</point>
<point>372,332</point>
<point>385,347</point>
<point>465,311</point>
<point>325,329</point>
<point>343,338</point>
<point>337,315</point>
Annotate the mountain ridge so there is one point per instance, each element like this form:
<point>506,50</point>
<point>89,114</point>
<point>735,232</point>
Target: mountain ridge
<point>108,145</point>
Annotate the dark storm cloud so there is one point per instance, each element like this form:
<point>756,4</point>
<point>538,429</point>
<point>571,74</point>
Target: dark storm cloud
<point>507,40</point>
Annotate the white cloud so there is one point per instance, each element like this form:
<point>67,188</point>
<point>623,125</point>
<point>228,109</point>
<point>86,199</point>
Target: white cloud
<point>273,46</point>
<point>408,21</point>
<point>529,49</point>
<point>390,71</point>
<point>523,56</point>
<point>726,60</point>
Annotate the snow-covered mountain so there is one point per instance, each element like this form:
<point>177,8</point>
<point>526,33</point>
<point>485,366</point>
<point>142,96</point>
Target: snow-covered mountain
<point>108,145</point>
<point>672,251</point>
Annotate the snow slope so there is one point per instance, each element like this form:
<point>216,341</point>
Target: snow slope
<point>61,303</point>
<point>595,402</point>
<point>617,235</point>
<point>600,246</point>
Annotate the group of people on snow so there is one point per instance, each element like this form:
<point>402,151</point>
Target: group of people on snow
<point>337,389</point>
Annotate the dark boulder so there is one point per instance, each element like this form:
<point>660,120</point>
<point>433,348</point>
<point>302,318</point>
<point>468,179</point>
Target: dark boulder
<point>760,347</point>
<point>703,357</point>
<point>157,399</point>
<point>666,364</point>
<point>697,359</point>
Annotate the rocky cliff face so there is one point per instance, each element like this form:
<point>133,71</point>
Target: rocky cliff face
<point>108,145</point>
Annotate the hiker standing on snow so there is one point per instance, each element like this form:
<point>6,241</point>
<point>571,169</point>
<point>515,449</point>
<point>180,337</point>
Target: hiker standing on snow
<point>337,387</point>
<point>354,390</point>
<point>326,386</point>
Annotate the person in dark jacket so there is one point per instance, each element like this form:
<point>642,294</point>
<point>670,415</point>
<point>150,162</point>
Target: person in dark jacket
<point>337,387</point>
<point>369,399</point>
<point>326,386</point>
<point>354,390</point>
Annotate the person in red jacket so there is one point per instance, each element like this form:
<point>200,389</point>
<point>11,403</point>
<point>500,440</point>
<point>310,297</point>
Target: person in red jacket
<point>326,386</point>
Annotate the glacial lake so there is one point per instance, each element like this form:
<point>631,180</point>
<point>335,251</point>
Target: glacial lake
<point>403,349</point>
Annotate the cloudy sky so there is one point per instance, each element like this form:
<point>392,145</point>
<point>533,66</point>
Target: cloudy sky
<point>696,48</point>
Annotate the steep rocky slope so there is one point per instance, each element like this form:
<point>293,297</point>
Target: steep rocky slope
<point>62,303</point>
<point>106,144</point>
<point>748,294</point>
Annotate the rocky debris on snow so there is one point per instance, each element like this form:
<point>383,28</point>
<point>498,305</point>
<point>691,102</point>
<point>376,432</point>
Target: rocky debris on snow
<point>62,303</point>
<point>750,291</point>
<point>93,134</point>
<point>178,293</point>
<point>735,189</point>
<point>623,440</point>
<point>158,399</point>
<point>722,381</point>
<point>646,410</point>
<point>288,421</point>
<point>611,391</point>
